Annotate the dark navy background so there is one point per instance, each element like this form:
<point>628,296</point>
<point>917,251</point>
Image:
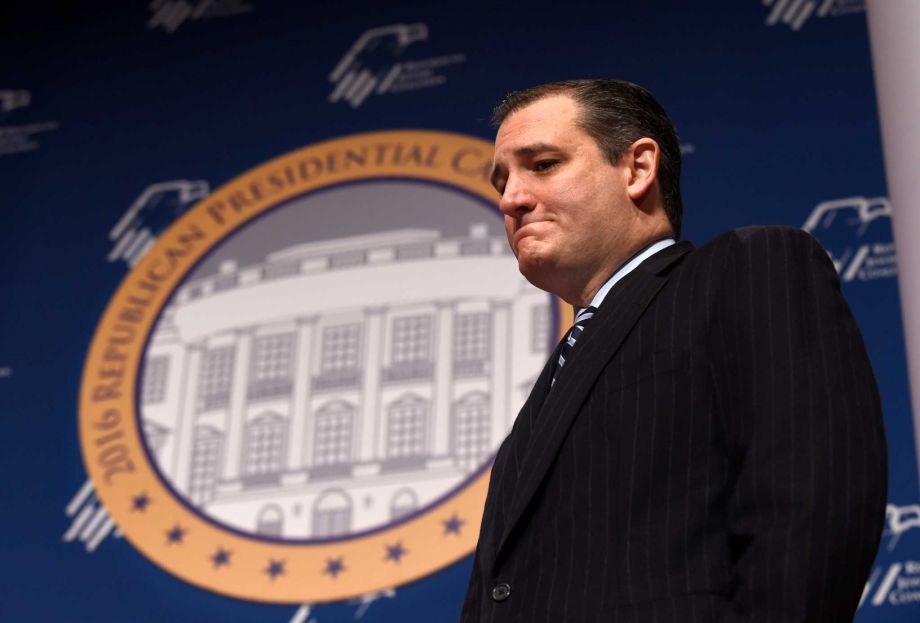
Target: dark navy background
<point>779,120</point>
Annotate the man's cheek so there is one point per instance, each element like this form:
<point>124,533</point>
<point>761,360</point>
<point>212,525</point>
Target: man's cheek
<point>509,232</point>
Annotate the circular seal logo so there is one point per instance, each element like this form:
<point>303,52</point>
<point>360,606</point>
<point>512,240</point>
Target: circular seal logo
<point>296,394</point>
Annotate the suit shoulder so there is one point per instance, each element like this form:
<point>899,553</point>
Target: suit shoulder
<point>764,238</point>
<point>772,232</point>
<point>763,247</point>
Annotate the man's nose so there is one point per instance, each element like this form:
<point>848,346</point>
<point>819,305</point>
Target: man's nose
<point>516,199</point>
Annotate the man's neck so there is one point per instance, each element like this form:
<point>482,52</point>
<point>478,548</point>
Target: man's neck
<point>625,268</point>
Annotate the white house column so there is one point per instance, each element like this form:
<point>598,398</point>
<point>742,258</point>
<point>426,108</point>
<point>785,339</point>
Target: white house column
<point>171,407</point>
<point>443,381</point>
<point>185,427</point>
<point>500,375</point>
<point>369,426</point>
<point>300,441</point>
<point>236,418</point>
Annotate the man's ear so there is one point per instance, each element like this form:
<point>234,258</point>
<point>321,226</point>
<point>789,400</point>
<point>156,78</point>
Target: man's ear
<point>642,163</point>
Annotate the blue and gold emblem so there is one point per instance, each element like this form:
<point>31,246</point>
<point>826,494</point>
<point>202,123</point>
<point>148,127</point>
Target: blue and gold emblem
<point>296,394</point>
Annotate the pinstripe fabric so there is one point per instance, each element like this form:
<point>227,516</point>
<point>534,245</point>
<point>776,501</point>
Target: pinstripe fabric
<point>712,451</point>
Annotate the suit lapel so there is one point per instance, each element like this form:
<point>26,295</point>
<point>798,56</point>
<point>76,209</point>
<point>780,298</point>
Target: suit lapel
<point>601,340</point>
<point>506,476</point>
<point>539,392</point>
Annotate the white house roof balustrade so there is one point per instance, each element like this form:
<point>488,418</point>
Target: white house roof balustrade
<point>454,269</point>
<point>334,386</point>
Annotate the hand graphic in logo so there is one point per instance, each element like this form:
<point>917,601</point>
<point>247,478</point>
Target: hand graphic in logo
<point>841,225</point>
<point>154,210</point>
<point>899,520</point>
<point>372,62</point>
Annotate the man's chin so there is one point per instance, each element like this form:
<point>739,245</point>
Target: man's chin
<point>536,270</point>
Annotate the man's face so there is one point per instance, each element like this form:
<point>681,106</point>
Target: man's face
<point>568,216</point>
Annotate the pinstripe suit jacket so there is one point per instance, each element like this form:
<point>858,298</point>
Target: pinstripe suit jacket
<point>713,450</point>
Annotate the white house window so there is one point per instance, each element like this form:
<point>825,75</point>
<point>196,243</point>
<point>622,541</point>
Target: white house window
<point>539,328</point>
<point>474,247</point>
<point>272,366</point>
<point>216,378</point>
<point>281,269</point>
<point>155,437</point>
<point>346,259</point>
<point>414,251</point>
<point>407,428</point>
<point>270,521</point>
<point>411,339</point>
<point>472,428</point>
<point>404,502</point>
<point>226,282</point>
<point>332,514</point>
<point>206,455</point>
<point>340,348</point>
<point>333,434</point>
<point>156,370</point>
<point>264,445</point>
<point>472,334</point>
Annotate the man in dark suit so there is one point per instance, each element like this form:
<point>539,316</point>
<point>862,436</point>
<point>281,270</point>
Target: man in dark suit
<point>706,444</point>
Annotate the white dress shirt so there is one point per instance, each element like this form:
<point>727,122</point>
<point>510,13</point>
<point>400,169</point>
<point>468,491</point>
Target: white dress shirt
<point>626,268</point>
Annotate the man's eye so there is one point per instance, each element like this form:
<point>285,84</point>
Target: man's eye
<point>545,165</point>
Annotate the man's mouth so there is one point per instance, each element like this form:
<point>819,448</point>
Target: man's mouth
<point>529,229</point>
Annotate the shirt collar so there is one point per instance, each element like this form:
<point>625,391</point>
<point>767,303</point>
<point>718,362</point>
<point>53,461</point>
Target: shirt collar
<point>626,268</point>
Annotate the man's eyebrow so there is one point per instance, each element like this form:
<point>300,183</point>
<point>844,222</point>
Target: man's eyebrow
<point>524,151</point>
<point>535,148</point>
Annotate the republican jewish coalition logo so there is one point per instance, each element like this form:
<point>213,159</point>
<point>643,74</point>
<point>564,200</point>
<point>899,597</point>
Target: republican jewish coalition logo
<point>856,231</point>
<point>16,139</point>
<point>297,392</point>
<point>897,584</point>
<point>795,13</point>
<point>154,210</point>
<point>375,63</point>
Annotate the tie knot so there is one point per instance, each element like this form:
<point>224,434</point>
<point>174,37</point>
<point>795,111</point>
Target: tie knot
<point>581,319</point>
<point>584,315</point>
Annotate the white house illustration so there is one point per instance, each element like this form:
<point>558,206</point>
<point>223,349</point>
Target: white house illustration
<point>341,384</point>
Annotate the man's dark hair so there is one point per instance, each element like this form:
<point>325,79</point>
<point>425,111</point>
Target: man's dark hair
<point>615,114</point>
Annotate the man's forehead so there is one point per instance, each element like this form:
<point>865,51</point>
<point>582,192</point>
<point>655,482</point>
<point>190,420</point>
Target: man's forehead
<point>547,124</point>
<point>550,115</point>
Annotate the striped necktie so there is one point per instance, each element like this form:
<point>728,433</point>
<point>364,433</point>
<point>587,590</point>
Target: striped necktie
<point>574,333</point>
